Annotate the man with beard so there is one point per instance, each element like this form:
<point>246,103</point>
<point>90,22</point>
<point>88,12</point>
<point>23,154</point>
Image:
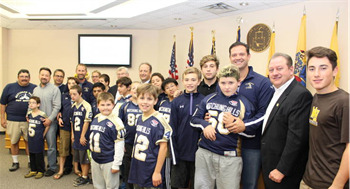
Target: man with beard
<point>209,67</point>
<point>14,101</point>
<point>81,71</point>
<point>50,97</point>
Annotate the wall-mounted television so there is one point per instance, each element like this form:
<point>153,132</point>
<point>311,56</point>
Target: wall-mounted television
<point>105,49</point>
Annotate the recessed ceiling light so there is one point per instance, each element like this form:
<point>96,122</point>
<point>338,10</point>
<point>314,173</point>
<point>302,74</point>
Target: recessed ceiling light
<point>244,4</point>
<point>114,26</point>
<point>177,18</point>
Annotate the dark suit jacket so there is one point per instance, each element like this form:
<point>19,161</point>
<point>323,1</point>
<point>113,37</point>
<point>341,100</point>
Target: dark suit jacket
<point>113,90</point>
<point>284,141</point>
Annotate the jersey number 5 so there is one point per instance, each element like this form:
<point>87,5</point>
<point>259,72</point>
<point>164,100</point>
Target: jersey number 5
<point>31,130</point>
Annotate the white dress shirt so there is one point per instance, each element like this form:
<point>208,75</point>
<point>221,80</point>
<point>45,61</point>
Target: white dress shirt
<point>275,97</point>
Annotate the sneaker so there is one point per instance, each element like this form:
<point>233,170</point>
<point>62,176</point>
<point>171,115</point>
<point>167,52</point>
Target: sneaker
<point>14,167</point>
<point>77,179</point>
<point>30,174</point>
<point>49,173</point>
<point>122,186</point>
<point>39,175</point>
<point>83,181</point>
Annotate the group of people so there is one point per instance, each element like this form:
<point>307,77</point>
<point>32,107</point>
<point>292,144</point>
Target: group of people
<point>219,132</point>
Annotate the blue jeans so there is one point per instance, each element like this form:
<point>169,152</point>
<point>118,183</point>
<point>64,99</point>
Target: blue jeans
<point>51,144</point>
<point>251,168</point>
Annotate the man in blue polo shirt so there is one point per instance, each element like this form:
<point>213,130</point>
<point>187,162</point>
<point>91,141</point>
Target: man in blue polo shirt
<point>258,90</point>
<point>14,101</point>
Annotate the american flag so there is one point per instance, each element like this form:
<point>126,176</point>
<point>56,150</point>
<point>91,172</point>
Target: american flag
<point>213,48</point>
<point>173,67</point>
<point>238,34</point>
<point>190,60</point>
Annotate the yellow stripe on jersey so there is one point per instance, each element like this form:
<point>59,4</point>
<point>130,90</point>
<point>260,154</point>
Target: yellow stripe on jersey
<point>242,113</point>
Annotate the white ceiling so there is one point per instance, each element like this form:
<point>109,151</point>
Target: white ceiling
<point>180,14</point>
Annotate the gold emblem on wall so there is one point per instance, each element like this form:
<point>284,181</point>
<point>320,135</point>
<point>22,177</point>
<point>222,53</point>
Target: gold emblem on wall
<point>259,37</point>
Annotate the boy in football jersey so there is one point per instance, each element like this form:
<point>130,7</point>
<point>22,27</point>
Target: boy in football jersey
<point>129,113</point>
<point>150,147</point>
<point>106,144</point>
<point>63,118</point>
<point>81,118</point>
<point>169,86</point>
<point>185,138</point>
<point>218,158</point>
<point>97,89</point>
<point>124,87</point>
<point>36,134</point>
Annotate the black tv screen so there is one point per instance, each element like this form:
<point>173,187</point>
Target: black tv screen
<point>105,49</point>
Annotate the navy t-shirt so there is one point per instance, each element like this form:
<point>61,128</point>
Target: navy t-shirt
<point>16,98</point>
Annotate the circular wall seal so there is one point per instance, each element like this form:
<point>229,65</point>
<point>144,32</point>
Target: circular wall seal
<point>259,37</point>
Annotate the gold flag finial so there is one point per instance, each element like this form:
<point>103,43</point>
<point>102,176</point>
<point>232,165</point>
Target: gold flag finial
<point>213,32</point>
<point>174,37</point>
<point>191,28</point>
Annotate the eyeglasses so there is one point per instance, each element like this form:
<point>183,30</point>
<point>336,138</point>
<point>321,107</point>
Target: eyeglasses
<point>23,76</point>
<point>60,76</point>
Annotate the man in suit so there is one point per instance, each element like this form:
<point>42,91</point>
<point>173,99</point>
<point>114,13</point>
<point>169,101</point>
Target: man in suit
<point>285,132</point>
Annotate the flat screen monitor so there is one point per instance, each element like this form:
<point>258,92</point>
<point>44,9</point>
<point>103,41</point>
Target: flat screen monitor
<point>105,49</point>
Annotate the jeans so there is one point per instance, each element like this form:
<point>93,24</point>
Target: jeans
<point>251,168</point>
<point>51,139</point>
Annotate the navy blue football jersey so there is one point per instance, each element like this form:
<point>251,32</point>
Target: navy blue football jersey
<point>129,113</point>
<point>104,132</point>
<point>165,109</point>
<point>216,105</point>
<point>94,108</point>
<point>81,113</point>
<point>36,132</point>
<point>150,131</point>
<point>66,111</point>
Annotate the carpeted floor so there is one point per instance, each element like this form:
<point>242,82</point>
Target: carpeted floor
<point>16,180</point>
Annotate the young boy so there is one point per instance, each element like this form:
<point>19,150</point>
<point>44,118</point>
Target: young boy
<point>129,113</point>
<point>218,157</point>
<point>185,138</point>
<point>106,144</point>
<point>63,119</point>
<point>97,89</point>
<point>36,134</point>
<point>169,86</point>
<point>81,118</point>
<point>150,148</point>
<point>328,163</point>
<point>124,87</point>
